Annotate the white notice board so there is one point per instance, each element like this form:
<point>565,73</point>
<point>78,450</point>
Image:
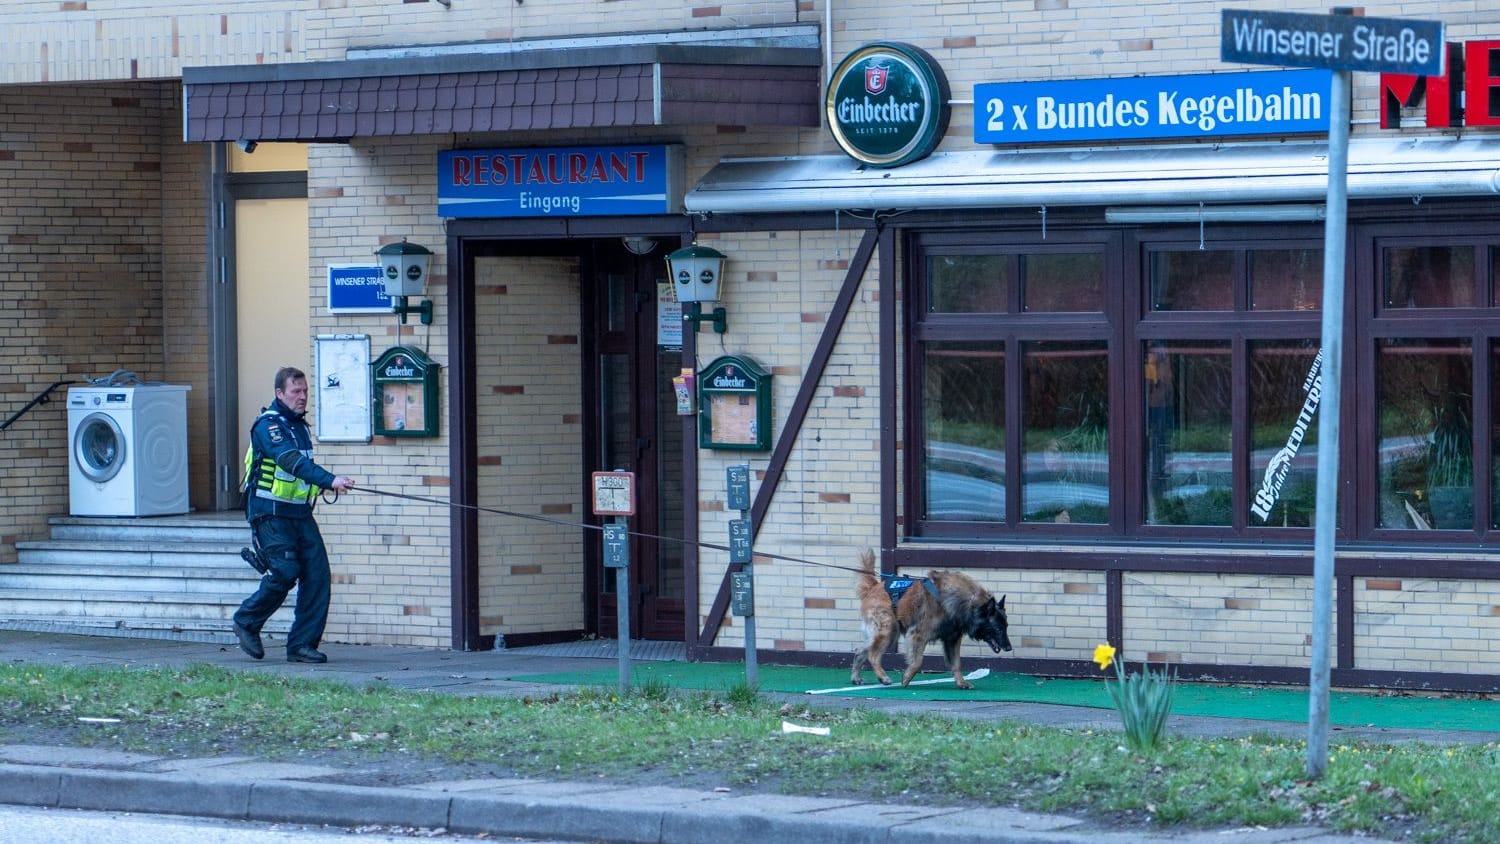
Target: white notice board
<point>341,388</point>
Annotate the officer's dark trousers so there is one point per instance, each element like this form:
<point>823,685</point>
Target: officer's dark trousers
<point>294,552</point>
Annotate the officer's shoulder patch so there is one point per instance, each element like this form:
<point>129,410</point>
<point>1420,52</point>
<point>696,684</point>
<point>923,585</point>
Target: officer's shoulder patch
<point>273,431</point>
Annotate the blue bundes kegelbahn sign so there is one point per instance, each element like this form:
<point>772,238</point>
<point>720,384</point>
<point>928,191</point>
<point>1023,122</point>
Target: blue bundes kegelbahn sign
<point>1274,102</point>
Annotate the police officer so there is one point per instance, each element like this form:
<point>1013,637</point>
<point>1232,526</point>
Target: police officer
<point>281,483</point>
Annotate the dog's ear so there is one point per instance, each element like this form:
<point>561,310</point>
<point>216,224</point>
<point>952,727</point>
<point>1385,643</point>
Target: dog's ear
<point>1002,603</point>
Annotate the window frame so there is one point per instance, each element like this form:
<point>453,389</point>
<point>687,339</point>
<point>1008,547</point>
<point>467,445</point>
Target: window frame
<point>1013,328</point>
<point>1479,325</point>
<point>1127,325</point>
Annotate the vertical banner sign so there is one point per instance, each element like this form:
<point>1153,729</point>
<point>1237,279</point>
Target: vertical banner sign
<point>1281,463</point>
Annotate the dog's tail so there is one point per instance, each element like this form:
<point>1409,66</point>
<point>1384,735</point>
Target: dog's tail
<point>867,577</point>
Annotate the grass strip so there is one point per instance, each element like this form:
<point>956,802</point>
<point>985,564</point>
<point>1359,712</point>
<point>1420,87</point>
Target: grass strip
<point>732,737</point>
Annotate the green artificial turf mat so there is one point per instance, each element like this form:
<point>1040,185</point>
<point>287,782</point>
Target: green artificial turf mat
<point>1373,709</point>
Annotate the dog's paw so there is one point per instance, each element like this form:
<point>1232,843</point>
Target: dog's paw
<point>857,680</point>
<point>965,684</point>
<point>885,681</point>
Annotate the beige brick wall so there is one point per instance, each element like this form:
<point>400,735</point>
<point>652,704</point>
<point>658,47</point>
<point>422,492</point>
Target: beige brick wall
<point>1218,619</point>
<point>390,556</point>
<point>780,288</point>
<point>1426,625</point>
<point>81,225</point>
<point>987,42</point>
<point>187,336</point>
<point>530,441</point>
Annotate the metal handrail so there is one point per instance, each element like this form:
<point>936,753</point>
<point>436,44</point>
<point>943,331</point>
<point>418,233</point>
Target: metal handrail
<point>41,398</point>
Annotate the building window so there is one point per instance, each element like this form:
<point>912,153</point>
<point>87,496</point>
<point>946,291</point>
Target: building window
<point>1010,367</point>
<point>1283,433</point>
<point>1080,386</point>
<point>1434,365</point>
<point>963,411</point>
<point>1065,431</point>
<point>1189,423</point>
<point>1426,432</point>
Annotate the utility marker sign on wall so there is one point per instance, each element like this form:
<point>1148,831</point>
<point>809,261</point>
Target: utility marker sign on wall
<point>1206,105</point>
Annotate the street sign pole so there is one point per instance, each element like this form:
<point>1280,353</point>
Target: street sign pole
<point>741,539</point>
<point>1326,508</point>
<point>614,496</point>
<point>1342,42</point>
<point>617,557</point>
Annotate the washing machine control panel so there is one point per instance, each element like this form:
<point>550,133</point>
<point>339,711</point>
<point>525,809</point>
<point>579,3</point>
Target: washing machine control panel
<point>96,399</point>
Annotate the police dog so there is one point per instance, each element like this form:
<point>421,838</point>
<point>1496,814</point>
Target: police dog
<point>947,607</point>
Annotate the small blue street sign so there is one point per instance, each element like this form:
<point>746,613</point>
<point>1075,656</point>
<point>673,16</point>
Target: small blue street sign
<point>1334,42</point>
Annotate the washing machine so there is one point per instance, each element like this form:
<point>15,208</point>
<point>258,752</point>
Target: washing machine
<point>128,450</point>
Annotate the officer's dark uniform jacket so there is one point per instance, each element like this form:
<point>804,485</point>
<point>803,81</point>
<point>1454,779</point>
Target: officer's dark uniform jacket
<point>281,478</point>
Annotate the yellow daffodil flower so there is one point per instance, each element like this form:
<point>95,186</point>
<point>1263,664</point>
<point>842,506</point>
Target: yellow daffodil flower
<point>1104,655</point>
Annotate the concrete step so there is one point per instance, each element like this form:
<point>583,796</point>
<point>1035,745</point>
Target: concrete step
<point>153,577</point>
<point>148,628</point>
<point>133,553</point>
<point>126,577</point>
<point>177,607</point>
<point>214,527</point>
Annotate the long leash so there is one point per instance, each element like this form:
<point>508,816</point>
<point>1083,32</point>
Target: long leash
<point>585,526</point>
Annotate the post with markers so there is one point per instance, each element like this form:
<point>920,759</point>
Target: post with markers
<point>614,496</point>
<point>742,587</point>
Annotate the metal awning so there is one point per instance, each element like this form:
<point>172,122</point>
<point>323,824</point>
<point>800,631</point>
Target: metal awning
<point>1379,168</point>
<point>648,80</point>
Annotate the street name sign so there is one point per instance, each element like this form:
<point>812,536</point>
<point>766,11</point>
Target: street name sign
<point>1335,42</point>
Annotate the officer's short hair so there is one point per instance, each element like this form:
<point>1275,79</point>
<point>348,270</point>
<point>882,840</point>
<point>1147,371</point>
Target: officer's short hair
<point>288,373</point>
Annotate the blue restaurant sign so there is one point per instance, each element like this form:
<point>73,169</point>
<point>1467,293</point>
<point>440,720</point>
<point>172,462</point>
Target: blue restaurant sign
<point>1272,102</point>
<point>559,182</point>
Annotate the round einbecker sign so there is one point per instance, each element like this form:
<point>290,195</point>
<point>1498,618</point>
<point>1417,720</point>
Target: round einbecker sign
<point>888,104</point>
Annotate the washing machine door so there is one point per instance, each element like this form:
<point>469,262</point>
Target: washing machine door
<point>98,447</point>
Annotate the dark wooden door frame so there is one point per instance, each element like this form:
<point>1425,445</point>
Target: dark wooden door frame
<point>467,239</point>
<point>640,344</point>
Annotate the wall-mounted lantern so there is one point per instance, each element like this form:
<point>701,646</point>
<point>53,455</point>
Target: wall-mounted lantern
<point>404,273</point>
<point>697,275</point>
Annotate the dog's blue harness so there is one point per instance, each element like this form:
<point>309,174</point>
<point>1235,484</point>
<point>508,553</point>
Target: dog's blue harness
<point>896,586</point>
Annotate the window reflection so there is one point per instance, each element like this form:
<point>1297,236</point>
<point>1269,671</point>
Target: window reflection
<point>1189,402</point>
<point>969,283</point>
<point>1494,429</point>
<point>963,409</point>
<point>1286,279</point>
<point>1283,434</point>
<point>1063,282</point>
<point>1426,434</point>
<point>1065,427</point>
<point>1192,281</point>
<point>1429,277</point>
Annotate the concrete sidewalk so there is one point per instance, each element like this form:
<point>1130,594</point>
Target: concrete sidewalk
<point>360,795</point>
